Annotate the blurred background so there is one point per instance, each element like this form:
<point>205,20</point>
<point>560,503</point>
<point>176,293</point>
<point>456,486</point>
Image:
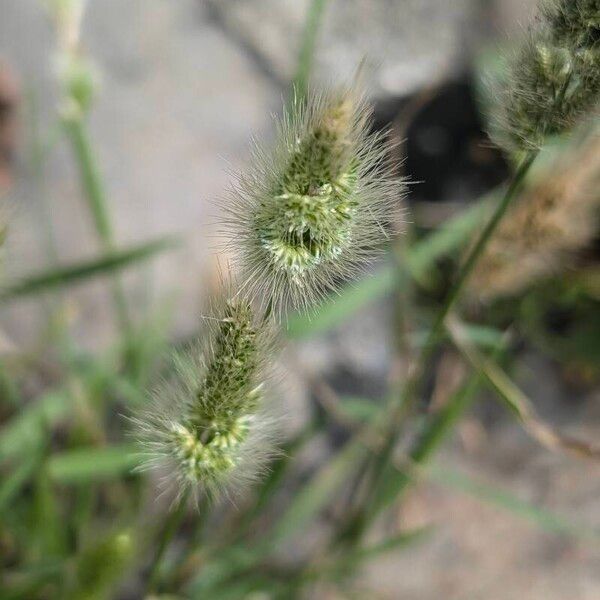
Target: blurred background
<point>182,87</point>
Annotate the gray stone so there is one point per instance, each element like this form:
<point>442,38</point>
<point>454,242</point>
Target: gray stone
<point>406,45</point>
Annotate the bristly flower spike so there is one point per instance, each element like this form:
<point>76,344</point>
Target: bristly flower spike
<point>554,80</point>
<point>208,427</point>
<point>315,210</point>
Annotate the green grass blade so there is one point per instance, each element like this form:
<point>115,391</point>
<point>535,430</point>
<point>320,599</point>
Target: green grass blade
<point>278,470</point>
<point>49,525</point>
<point>418,260</point>
<point>14,483</point>
<point>85,465</point>
<point>546,520</point>
<point>355,558</point>
<point>314,17</point>
<point>77,273</point>
<point>335,311</point>
<point>25,430</point>
<point>317,492</point>
<point>422,255</point>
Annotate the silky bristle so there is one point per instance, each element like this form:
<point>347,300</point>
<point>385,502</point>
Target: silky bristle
<point>315,210</point>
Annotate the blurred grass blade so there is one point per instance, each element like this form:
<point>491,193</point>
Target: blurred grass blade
<point>400,540</point>
<point>456,232</point>
<point>516,401</point>
<point>230,563</point>
<point>14,483</point>
<point>480,335</point>
<point>314,17</point>
<point>418,260</point>
<point>546,520</point>
<point>9,393</point>
<point>26,429</point>
<point>359,410</point>
<point>355,558</point>
<point>49,525</point>
<point>92,464</point>
<point>278,470</point>
<point>69,275</point>
<point>317,492</point>
<point>335,311</point>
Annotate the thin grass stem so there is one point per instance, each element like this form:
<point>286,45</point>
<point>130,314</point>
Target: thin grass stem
<point>91,182</point>
<point>307,47</point>
<point>168,531</point>
<point>371,504</point>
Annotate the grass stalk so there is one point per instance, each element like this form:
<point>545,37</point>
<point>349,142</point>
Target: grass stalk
<point>441,424</point>
<point>168,531</point>
<point>370,506</point>
<point>307,47</point>
<point>91,182</point>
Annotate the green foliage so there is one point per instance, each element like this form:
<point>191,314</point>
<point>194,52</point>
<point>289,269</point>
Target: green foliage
<point>78,521</point>
<point>101,565</point>
<point>85,465</point>
<point>82,272</point>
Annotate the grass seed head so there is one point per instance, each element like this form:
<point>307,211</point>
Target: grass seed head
<point>553,81</point>
<point>209,427</point>
<point>316,209</point>
<point>556,217</point>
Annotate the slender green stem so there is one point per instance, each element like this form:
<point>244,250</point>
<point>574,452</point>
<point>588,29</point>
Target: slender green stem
<point>38,150</point>
<point>91,182</point>
<point>9,393</point>
<point>307,47</point>
<point>381,462</point>
<point>441,424</point>
<point>471,261</point>
<point>169,529</point>
<point>90,179</point>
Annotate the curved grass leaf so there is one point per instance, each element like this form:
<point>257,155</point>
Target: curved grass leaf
<point>80,272</point>
<point>25,430</point>
<point>317,492</point>
<point>418,260</point>
<point>544,519</point>
<point>92,464</point>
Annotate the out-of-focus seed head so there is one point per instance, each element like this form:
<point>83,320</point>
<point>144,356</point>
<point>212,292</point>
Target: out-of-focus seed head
<point>318,208</point>
<point>208,426</point>
<point>79,82</point>
<point>100,565</point>
<point>67,16</point>
<point>574,22</point>
<point>556,217</point>
<point>553,81</point>
<point>77,75</point>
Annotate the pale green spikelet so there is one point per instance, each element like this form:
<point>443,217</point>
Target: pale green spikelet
<point>67,16</point>
<point>78,80</point>
<point>554,79</point>
<point>208,427</point>
<point>318,207</point>
<point>100,565</point>
<point>76,74</point>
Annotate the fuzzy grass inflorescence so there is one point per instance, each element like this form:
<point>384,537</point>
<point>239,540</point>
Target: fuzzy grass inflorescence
<point>554,80</point>
<point>556,217</point>
<point>207,426</point>
<point>316,209</point>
